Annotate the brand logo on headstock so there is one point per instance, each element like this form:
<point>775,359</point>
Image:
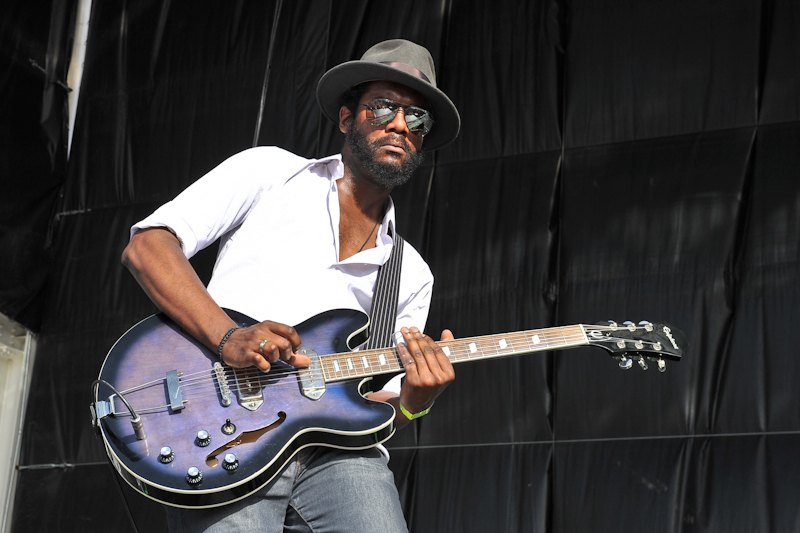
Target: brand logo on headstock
<point>668,333</point>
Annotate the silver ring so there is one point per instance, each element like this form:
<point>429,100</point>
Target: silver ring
<point>261,346</point>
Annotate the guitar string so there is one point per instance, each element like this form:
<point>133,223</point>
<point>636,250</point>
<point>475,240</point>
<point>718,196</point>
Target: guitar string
<point>456,351</point>
<point>454,344</point>
<point>197,388</point>
<point>345,372</point>
<point>198,383</point>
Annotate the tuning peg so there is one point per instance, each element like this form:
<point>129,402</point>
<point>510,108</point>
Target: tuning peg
<point>625,363</point>
<point>642,363</point>
<point>648,326</point>
<point>630,325</point>
<point>612,324</point>
<point>662,365</point>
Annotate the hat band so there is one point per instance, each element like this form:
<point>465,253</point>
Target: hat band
<point>406,68</point>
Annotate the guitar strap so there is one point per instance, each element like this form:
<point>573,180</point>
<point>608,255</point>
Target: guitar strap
<point>384,302</point>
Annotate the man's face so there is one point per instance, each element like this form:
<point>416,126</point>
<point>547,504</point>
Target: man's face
<point>390,152</point>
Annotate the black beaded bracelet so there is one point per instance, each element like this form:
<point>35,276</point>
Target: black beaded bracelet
<point>223,341</point>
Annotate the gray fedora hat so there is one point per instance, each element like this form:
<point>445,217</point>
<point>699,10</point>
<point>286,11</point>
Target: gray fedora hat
<point>402,62</point>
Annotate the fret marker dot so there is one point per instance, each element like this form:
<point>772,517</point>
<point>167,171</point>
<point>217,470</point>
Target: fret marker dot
<point>473,347</point>
<point>503,344</point>
<point>536,339</point>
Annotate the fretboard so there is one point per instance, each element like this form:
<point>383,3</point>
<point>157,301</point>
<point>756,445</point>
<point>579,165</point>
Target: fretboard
<point>339,366</point>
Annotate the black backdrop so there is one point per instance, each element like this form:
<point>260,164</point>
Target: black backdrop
<point>618,160</point>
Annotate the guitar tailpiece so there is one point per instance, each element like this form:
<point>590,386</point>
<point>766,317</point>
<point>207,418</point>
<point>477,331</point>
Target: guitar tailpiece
<point>136,420</point>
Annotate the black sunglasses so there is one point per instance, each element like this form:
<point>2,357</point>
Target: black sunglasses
<point>383,110</point>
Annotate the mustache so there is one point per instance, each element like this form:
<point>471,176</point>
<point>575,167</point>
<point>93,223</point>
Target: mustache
<point>394,139</point>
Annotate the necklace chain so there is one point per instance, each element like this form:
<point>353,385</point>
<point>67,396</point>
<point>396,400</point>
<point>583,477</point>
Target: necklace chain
<point>370,235</point>
<point>380,217</point>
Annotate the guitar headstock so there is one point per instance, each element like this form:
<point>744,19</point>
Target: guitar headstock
<point>631,342</point>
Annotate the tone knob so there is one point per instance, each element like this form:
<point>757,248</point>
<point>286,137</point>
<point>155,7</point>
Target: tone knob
<point>203,438</point>
<point>194,475</point>
<point>166,455</point>
<point>230,462</point>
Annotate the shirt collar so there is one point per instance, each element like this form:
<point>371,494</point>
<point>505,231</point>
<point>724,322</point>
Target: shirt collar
<point>379,254</point>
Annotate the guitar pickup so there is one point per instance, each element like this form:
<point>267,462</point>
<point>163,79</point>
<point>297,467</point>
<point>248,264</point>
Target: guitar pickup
<point>248,380</point>
<point>312,384</point>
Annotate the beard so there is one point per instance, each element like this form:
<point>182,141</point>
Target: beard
<point>389,175</point>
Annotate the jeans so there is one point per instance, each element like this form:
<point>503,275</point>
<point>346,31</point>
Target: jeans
<point>320,490</point>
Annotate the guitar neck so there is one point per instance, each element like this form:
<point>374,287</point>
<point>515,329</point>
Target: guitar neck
<point>340,366</point>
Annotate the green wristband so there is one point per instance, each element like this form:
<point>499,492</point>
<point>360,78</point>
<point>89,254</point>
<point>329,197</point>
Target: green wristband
<point>415,415</point>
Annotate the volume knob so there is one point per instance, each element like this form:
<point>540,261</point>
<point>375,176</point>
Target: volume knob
<point>230,462</point>
<point>203,438</point>
<point>166,455</point>
<point>194,475</point>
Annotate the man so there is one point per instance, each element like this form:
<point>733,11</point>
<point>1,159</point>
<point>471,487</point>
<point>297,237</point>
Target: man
<point>299,237</point>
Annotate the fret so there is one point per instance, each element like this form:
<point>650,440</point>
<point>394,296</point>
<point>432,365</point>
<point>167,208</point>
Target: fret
<point>341,361</point>
<point>517,342</point>
<point>394,358</point>
<point>467,350</point>
<point>563,340</point>
<point>551,337</point>
<point>503,344</point>
<point>325,363</point>
<point>486,346</point>
<point>473,349</point>
<point>535,338</point>
<point>455,349</point>
<point>575,335</point>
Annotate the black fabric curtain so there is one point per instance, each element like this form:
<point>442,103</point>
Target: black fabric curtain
<point>618,160</point>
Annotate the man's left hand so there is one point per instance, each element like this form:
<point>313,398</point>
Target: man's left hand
<point>428,370</point>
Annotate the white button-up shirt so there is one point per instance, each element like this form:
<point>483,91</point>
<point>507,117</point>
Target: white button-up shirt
<point>278,218</point>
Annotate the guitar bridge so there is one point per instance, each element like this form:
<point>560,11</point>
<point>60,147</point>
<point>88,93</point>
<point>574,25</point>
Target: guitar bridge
<point>174,390</point>
<point>222,381</point>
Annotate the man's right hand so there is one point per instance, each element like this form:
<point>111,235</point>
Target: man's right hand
<point>156,259</point>
<point>262,344</point>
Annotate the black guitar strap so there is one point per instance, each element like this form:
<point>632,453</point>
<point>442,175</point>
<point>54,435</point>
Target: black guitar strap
<point>384,302</point>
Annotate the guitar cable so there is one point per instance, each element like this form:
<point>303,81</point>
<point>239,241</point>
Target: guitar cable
<point>136,420</point>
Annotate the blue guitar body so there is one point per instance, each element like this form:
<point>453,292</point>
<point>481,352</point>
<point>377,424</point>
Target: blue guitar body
<point>173,414</point>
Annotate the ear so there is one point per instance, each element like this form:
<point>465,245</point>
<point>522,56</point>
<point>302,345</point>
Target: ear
<point>344,118</point>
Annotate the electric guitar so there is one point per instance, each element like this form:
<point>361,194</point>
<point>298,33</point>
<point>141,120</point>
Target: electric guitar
<point>187,431</point>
